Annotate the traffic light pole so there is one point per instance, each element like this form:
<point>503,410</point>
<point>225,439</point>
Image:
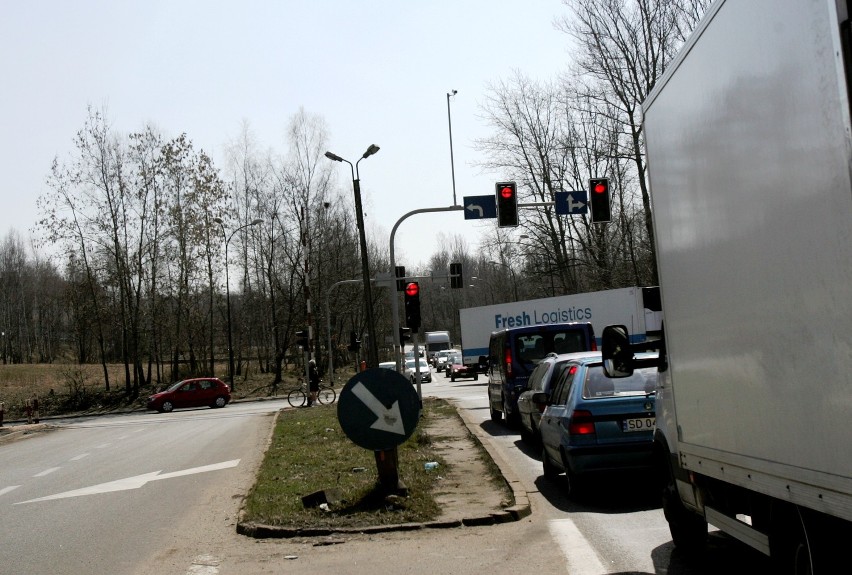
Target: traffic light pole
<point>395,298</point>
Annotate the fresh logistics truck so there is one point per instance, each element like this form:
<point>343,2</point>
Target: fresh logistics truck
<point>749,149</point>
<point>636,307</point>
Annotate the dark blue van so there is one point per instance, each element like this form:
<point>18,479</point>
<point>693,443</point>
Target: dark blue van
<point>514,352</point>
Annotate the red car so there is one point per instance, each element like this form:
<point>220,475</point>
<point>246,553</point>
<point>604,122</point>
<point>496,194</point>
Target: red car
<point>459,369</point>
<point>198,392</point>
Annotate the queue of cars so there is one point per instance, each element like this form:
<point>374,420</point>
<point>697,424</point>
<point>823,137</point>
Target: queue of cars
<point>548,382</point>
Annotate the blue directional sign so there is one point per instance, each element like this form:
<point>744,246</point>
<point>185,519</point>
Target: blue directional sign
<point>574,202</point>
<point>480,207</point>
<point>378,409</point>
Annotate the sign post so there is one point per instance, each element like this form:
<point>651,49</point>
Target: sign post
<point>378,409</point>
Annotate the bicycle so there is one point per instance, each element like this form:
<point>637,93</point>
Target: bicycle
<point>298,396</point>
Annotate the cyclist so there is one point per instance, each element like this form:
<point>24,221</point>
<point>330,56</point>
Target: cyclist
<point>313,382</point>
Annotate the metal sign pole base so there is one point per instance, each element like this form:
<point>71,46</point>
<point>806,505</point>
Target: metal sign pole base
<point>388,470</point>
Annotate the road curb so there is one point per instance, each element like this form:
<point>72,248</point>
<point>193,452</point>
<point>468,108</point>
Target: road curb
<point>516,512</point>
<point>521,508</point>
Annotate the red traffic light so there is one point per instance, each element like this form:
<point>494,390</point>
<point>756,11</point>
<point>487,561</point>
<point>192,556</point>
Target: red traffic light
<point>507,192</point>
<point>600,187</point>
<point>412,289</point>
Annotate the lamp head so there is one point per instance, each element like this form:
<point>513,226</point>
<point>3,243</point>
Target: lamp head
<point>334,157</point>
<point>370,151</point>
<point>257,221</point>
<point>218,220</point>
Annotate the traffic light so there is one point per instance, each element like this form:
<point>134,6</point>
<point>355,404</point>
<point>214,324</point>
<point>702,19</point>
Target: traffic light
<point>400,273</point>
<point>507,205</point>
<point>456,279</point>
<point>302,338</point>
<point>412,306</point>
<point>404,335</point>
<point>354,342</point>
<point>599,200</point>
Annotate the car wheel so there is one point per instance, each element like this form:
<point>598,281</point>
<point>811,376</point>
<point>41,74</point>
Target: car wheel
<point>219,402</point>
<point>475,376</point>
<point>167,406</point>
<point>526,436</point>
<point>551,472</point>
<point>512,419</point>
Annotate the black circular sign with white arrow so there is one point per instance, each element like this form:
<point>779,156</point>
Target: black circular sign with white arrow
<point>378,409</point>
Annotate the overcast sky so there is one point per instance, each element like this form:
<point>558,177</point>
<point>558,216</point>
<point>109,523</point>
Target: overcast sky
<point>377,71</point>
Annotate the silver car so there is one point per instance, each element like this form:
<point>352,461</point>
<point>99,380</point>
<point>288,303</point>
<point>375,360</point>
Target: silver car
<point>425,372</point>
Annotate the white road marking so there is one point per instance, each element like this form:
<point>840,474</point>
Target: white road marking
<point>134,482</point>
<point>581,559</point>
<point>79,457</point>
<point>47,472</point>
<point>103,445</point>
<point>6,490</point>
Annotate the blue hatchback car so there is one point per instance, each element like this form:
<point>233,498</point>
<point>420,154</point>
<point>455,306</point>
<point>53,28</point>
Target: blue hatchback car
<point>595,424</point>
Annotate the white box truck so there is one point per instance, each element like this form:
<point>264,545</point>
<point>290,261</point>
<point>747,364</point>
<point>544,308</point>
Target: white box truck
<point>636,307</point>
<point>749,156</point>
<point>435,341</point>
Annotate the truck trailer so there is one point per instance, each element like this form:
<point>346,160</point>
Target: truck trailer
<point>749,151</point>
<point>636,307</point>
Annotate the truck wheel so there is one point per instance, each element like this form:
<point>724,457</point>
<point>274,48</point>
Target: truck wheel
<point>688,529</point>
<point>789,547</point>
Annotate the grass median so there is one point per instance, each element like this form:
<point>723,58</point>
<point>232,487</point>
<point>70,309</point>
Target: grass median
<point>309,452</point>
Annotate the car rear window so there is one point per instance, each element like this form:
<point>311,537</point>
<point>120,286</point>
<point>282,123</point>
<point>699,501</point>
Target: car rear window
<point>533,347</point>
<point>598,385</point>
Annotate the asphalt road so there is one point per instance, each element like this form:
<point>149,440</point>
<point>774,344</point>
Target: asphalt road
<point>102,495</point>
<point>158,493</point>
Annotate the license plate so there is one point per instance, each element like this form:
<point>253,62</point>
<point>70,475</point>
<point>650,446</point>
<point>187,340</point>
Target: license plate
<point>639,424</point>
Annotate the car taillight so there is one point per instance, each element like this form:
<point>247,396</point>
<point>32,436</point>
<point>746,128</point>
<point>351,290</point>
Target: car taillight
<point>581,423</point>
<point>594,344</point>
<point>508,359</point>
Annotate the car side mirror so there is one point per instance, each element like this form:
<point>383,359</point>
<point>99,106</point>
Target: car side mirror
<point>540,397</point>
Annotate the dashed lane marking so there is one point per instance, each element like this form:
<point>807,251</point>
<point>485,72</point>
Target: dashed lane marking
<point>6,490</point>
<point>579,554</point>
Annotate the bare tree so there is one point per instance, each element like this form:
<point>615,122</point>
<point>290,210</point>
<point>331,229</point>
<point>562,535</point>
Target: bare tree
<point>625,46</point>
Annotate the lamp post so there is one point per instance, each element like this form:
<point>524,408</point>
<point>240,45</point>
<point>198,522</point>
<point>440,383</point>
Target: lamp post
<point>373,349</point>
<point>228,292</point>
<point>514,279</point>
<point>450,125</point>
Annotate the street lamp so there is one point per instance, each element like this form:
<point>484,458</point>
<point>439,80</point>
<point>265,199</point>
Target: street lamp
<point>514,279</point>
<point>450,125</point>
<point>228,292</point>
<point>373,349</point>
